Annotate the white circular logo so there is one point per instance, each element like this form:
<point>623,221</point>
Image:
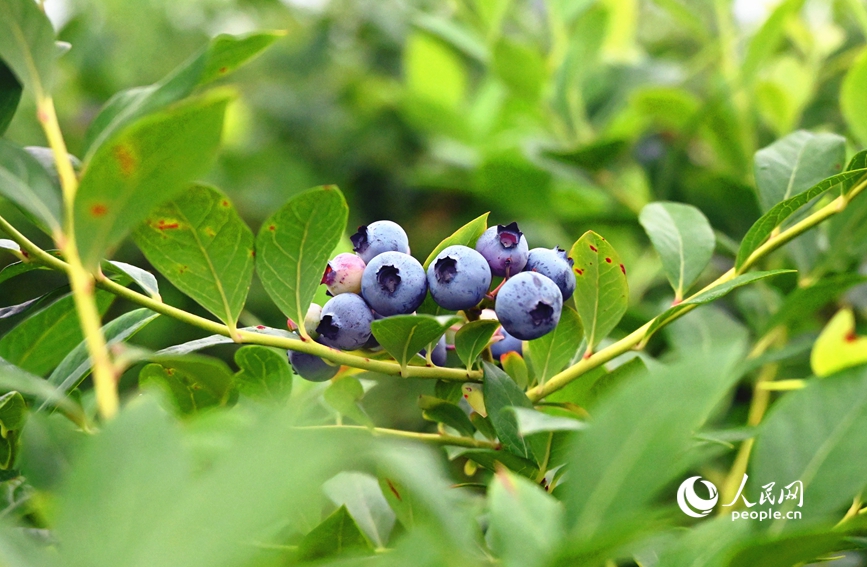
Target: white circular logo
<point>691,503</point>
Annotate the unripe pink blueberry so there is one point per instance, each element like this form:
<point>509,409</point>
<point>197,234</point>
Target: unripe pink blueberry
<point>343,274</point>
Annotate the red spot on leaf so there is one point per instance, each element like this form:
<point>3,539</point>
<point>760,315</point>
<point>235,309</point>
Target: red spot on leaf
<point>608,260</point>
<point>223,69</point>
<point>253,253</point>
<point>170,371</point>
<point>272,228</point>
<point>851,337</point>
<point>98,210</point>
<point>163,225</point>
<point>623,269</point>
<point>225,203</point>
<point>466,396</point>
<point>593,248</point>
<point>260,327</point>
<point>125,159</point>
<point>579,271</point>
<point>183,269</point>
<point>393,490</point>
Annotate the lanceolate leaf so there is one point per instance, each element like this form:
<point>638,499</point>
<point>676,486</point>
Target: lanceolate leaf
<point>193,381</point>
<point>26,183</point>
<point>27,44</point>
<point>148,163</point>
<point>818,436</point>
<point>601,290</point>
<point>683,238</point>
<point>201,245</point>
<point>550,353</point>
<point>472,338</point>
<point>763,227</point>
<point>222,56</point>
<point>441,411</point>
<point>467,235</point>
<point>294,245</point>
<point>363,498</point>
<point>40,342</point>
<point>142,278</point>
<point>712,295</point>
<point>77,365</point>
<point>14,378</point>
<point>213,340</point>
<point>337,535</point>
<point>501,393</point>
<point>795,163</point>
<point>10,94</point>
<point>265,373</point>
<point>403,336</point>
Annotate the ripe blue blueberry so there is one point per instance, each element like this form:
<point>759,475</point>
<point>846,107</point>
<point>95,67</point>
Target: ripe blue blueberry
<point>507,344</point>
<point>343,274</point>
<point>556,265</point>
<point>377,237</point>
<point>393,283</point>
<point>438,356</point>
<point>458,278</point>
<point>345,322</point>
<point>505,249</point>
<point>311,367</point>
<point>529,305</point>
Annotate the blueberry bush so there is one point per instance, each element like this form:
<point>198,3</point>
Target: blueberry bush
<point>499,392</point>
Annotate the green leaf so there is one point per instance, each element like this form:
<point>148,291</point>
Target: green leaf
<point>148,163</point>
<point>467,235</point>
<point>18,268</point>
<point>433,71</point>
<point>601,290</point>
<point>502,393</point>
<point>27,45</point>
<point>265,373</point>
<point>777,214</point>
<point>40,342</point>
<point>493,459</point>
<point>766,40</point>
<point>295,244</point>
<point>144,279</point>
<point>683,238</point>
<point>795,163</point>
<point>797,548</point>
<point>803,302</point>
<point>344,394</point>
<point>193,381</point>
<point>75,367</point>
<point>213,340</point>
<point>525,522</point>
<point>403,336</point>
<point>514,365</point>
<point>13,412</point>
<point>10,95</point>
<point>441,411</point>
<point>223,55</point>
<point>14,378</point>
<point>838,346</point>
<point>711,295</point>
<point>854,85</point>
<point>817,435</point>
<point>337,535</point>
<point>472,338</point>
<point>531,421</point>
<point>201,245</point>
<point>549,354</point>
<point>637,445</point>
<point>26,183</point>
<point>461,37</point>
<point>361,495</point>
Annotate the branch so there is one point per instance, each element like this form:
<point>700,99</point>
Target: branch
<point>431,438</point>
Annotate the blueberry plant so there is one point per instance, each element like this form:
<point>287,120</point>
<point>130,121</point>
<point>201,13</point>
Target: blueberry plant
<point>570,438</point>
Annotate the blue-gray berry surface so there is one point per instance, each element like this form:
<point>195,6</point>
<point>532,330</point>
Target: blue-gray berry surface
<point>507,344</point>
<point>458,278</point>
<point>377,237</point>
<point>505,249</point>
<point>311,367</point>
<point>529,305</point>
<point>439,354</point>
<point>556,265</point>
<point>393,284</point>
<point>345,322</point>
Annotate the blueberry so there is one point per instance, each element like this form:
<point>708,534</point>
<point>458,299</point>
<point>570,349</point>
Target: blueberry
<point>311,367</point>
<point>508,344</point>
<point>556,265</point>
<point>529,305</point>
<point>438,356</point>
<point>458,278</point>
<point>505,249</point>
<point>394,283</point>
<point>377,237</point>
<point>343,274</point>
<point>345,322</point>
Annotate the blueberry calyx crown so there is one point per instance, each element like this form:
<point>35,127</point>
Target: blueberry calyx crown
<point>509,235</point>
<point>359,239</point>
<point>446,269</point>
<point>328,276</point>
<point>388,278</point>
<point>327,328</point>
<point>541,314</point>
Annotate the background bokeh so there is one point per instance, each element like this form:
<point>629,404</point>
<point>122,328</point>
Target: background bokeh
<point>565,115</point>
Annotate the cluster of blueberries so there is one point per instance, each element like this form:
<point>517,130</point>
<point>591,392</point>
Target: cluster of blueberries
<point>382,279</point>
